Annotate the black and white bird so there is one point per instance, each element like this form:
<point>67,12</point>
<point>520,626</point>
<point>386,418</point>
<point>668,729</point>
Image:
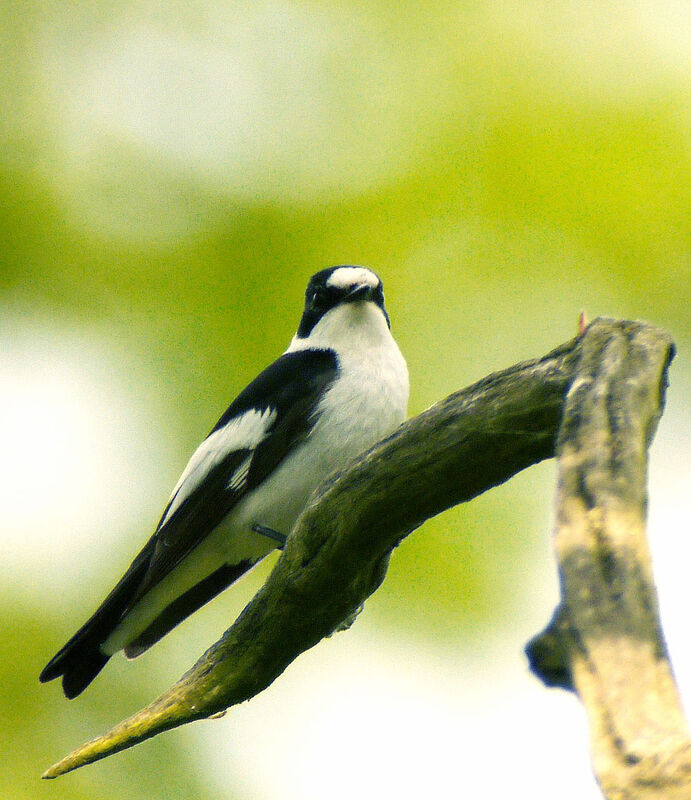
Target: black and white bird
<point>341,385</point>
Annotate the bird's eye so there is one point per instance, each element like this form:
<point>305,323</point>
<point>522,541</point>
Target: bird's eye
<point>319,299</point>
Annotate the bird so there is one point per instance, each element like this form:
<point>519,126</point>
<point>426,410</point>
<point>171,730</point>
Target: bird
<point>341,386</point>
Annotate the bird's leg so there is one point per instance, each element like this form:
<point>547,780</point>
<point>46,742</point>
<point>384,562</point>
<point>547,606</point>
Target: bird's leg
<point>271,534</point>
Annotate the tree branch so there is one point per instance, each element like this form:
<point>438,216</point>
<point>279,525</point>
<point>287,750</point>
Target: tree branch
<point>338,551</point>
<point>605,640</point>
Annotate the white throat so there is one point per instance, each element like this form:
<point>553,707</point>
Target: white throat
<point>348,328</point>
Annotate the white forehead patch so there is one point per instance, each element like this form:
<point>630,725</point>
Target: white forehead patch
<point>343,277</point>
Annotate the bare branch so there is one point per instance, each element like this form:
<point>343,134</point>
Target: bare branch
<point>605,639</point>
<point>338,551</point>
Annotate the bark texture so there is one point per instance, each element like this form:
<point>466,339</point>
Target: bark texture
<point>605,640</point>
<point>608,385</point>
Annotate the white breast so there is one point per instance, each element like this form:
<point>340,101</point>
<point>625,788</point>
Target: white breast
<point>367,401</point>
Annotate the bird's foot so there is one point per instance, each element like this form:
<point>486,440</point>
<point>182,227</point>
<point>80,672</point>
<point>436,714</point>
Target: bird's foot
<point>270,533</point>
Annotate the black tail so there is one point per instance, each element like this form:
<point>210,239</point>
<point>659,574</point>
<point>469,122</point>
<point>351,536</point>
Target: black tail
<point>78,667</point>
<point>81,659</point>
<point>186,604</point>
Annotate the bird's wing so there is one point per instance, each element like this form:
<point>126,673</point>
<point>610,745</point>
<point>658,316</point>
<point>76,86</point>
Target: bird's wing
<point>263,424</point>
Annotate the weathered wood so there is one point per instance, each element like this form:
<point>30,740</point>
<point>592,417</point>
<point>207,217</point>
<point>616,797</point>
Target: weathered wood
<point>605,639</point>
<point>338,551</point>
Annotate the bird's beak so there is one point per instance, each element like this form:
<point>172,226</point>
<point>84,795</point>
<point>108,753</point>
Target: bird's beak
<point>361,291</point>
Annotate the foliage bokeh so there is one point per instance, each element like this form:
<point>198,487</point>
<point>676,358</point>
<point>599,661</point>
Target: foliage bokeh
<point>171,175</point>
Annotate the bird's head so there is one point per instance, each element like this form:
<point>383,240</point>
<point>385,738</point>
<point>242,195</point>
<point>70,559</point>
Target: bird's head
<point>339,300</point>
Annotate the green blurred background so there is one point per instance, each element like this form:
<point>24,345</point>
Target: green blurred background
<point>171,175</point>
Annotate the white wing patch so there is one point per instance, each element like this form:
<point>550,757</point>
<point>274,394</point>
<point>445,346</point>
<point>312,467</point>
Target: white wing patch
<point>240,474</point>
<point>244,432</point>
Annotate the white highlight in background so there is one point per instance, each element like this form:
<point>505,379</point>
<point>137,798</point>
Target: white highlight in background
<point>76,453</point>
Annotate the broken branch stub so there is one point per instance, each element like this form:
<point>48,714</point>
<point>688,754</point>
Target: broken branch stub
<point>605,640</point>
